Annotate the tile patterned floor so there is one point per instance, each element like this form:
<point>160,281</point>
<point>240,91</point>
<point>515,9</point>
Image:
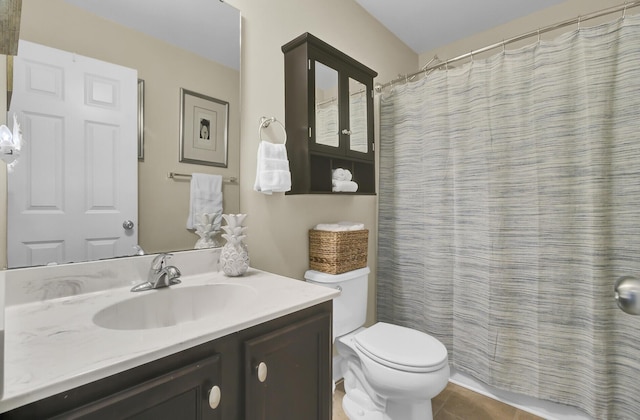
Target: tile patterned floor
<point>456,403</point>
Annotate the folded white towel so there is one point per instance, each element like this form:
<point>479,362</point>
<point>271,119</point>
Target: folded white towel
<point>344,186</point>
<point>340,226</point>
<point>340,174</point>
<point>272,173</point>
<point>206,197</point>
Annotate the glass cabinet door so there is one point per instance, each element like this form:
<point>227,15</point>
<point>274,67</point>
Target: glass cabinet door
<point>357,132</point>
<point>341,109</point>
<point>327,112</point>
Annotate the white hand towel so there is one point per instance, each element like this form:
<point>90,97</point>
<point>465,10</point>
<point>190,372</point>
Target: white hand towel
<point>272,173</point>
<point>340,174</point>
<point>340,226</point>
<point>344,186</point>
<point>206,197</point>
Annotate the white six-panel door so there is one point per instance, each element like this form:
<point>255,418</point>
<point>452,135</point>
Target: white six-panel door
<point>76,179</point>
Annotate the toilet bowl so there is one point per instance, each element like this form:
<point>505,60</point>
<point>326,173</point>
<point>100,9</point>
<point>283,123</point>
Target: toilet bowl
<point>390,372</point>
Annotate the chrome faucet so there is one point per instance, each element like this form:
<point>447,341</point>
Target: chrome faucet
<point>160,275</point>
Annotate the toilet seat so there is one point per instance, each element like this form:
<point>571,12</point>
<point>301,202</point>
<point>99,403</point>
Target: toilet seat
<point>401,348</point>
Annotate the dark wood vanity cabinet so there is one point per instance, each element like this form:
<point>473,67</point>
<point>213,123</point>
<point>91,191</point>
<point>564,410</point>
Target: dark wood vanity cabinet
<point>280,370</point>
<point>278,381</point>
<point>328,116</point>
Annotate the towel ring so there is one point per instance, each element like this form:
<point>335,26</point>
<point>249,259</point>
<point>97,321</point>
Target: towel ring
<point>266,122</point>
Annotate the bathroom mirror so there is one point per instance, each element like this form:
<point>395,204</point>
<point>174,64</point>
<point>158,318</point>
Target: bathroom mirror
<point>191,44</point>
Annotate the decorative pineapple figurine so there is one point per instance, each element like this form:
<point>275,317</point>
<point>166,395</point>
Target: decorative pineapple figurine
<point>207,226</point>
<point>234,257</point>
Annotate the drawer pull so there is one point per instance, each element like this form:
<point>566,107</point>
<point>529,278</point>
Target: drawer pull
<point>214,397</point>
<point>262,372</point>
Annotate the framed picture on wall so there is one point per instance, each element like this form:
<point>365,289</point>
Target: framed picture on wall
<point>140,119</point>
<point>204,125</point>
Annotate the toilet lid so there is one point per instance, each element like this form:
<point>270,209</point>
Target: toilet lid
<point>401,348</point>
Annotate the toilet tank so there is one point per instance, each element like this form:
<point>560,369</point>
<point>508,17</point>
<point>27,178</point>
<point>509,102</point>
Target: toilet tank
<point>350,307</point>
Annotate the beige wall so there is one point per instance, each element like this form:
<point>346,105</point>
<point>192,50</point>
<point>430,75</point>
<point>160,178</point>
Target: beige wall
<point>163,203</point>
<point>278,224</point>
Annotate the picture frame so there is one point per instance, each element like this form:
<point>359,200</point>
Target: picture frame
<point>140,119</point>
<point>204,126</point>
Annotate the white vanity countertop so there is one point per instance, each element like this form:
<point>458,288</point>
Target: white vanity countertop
<point>53,345</point>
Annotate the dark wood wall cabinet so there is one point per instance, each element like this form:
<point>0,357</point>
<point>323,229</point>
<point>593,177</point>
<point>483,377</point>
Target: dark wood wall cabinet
<point>280,369</point>
<point>328,115</point>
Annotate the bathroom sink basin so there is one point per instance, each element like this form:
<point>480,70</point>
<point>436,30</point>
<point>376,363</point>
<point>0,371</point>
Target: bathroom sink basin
<point>171,306</point>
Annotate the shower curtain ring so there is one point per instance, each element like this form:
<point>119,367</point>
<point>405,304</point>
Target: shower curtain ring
<point>538,35</point>
<point>504,47</point>
<point>579,19</point>
<point>624,11</point>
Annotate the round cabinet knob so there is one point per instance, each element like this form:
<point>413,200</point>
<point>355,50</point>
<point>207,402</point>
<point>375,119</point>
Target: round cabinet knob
<point>627,294</point>
<point>262,372</point>
<point>127,224</point>
<point>214,397</point>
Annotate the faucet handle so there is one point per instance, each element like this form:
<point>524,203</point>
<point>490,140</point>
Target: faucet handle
<point>173,274</point>
<point>159,261</point>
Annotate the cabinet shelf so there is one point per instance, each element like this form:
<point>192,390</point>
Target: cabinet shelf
<point>329,117</point>
<point>321,166</point>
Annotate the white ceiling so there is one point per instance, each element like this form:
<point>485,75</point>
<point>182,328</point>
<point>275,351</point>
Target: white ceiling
<point>209,28</point>
<point>428,24</point>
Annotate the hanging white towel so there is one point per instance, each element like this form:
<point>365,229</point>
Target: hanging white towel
<point>206,196</point>
<point>272,173</point>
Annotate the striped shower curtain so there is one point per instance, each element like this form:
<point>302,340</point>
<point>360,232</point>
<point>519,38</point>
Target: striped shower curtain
<point>509,205</point>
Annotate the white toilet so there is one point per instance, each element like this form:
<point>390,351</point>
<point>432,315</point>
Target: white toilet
<point>390,372</point>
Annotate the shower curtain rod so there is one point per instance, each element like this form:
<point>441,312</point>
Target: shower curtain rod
<point>334,99</point>
<point>440,64</point>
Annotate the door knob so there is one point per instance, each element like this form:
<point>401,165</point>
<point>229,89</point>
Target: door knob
<point>214,397</point>
<point>627,294</point>
<point>127,224</point>
<point>262,372</point>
